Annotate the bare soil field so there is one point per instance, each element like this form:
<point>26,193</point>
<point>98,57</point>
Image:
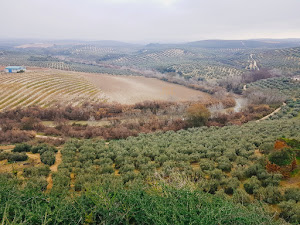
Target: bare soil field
<point>133,89</point>
<point>35,45</point>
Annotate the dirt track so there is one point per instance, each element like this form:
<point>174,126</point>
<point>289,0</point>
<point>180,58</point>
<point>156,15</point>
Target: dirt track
<point>271,114</point>
<point>54,168</point>
<point>133,89</point>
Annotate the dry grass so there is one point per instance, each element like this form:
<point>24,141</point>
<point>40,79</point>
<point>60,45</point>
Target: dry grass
<point>58,160</point>
<point>7,147</point>
<point>33,160</point>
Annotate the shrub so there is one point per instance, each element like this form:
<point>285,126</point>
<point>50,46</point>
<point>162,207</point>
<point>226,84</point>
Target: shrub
<point>22,148</point>
<point>107,169</point>
<point>41,148</point>
<point>126,168</point>
<point>197,115</point>
<point>252,184</point>
<point>240,196</point>
<point>272,179</point>
<point>129,176</point>
<point>14,157</point>
<point>239,173</point>
<point>37,183</point>
<point>290,211</point>
<point>270,194</point>
<point>210,186</point>
<point>241,160</point>
<point>231,155</point>
<point>36,171</point>
<point>4,155</point>
<point>224,164</point>
<point>61,179</point>
<point>206,164</point>
<point>216,174</point>
<point>48,158</point>
<point>231,185</point>
<point>292,194</point>
<point>266,148</point>
<point>282,157</point>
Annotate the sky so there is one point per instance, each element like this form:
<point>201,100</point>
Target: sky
<point>149,20</point>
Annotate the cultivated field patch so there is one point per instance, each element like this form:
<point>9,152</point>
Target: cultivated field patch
<point>133,89</point>
<point>44,88</point>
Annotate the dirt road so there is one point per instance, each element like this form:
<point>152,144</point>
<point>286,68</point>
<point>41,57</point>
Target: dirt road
<point>271,114</point>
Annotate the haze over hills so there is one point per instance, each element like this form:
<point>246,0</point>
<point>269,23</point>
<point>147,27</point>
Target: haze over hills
<point>214,43</point>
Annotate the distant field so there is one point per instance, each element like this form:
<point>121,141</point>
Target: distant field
<point>133,89</point>
<point>46,87</point>
<point>35,45</point>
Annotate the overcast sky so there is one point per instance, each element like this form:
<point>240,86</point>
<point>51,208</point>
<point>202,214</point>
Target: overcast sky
<point>150,20</point>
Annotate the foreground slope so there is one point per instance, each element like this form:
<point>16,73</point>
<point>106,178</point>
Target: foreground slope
<point>200,175</point>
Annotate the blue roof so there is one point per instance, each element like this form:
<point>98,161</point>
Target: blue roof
<point>15,67</point>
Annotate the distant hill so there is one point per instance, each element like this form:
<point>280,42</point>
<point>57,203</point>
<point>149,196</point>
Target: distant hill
<point>263,43</point>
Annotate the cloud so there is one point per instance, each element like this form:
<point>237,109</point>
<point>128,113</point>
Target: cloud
<point>163,2</point>
<point>149,20</point>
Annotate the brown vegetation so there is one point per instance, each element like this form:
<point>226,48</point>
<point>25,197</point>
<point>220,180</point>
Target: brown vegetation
<point>235,84</point>
<point>121,121</point>
<point>263,96</point>
<point>284,170</point>
<point>198,115</point>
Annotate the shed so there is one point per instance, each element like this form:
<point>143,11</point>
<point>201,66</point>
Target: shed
<point>15,69</point>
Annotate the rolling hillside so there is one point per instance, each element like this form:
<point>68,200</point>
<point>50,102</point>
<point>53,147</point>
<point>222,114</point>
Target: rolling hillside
<point>45,88</point>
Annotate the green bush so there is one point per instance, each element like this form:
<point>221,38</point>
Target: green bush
<point>48,158</point>
<point>252,184</point>
<point>239,173</point>
<point>240,196</point>
<point>126,168</point>
<point>37,183</point>
<point>107,169</point>
<point>36,171</point>
<point>270,194</point>
<point>22,148</point>
<point>292,194</point>
<point>4,155</point>
<point>254,170</point>
<point>42,148</point>
<point>206,164</point>
<point>282,157</point>
<point>272,179</point>
<point>267,147</point>
<point>14,157</point>
<point>230,185</point>
<point>290,211</point>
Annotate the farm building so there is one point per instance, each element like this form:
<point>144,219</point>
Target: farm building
<point>15,69</point>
